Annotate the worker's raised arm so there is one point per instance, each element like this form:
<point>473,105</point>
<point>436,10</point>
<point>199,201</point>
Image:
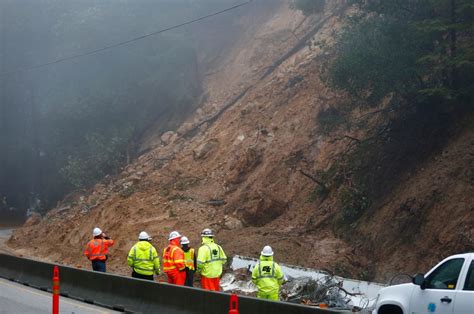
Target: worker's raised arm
<point>109,242</point>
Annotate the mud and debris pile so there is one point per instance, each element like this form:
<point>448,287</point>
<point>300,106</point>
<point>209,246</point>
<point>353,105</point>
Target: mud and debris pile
<point>239,281</point>
<point>305,286</point>
<point>325,292</point>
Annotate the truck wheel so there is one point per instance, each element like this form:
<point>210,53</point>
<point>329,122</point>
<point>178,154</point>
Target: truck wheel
<point>390,309</point>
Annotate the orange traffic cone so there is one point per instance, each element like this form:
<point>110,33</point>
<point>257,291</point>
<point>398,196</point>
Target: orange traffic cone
<point>56,290</point>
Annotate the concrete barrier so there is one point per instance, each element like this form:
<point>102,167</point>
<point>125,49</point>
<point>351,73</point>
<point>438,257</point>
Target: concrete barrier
<point>135,295</point>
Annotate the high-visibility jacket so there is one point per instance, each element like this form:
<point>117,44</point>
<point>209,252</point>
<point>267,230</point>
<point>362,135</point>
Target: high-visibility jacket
<point>267,275</point>
<point>97,249</point>
<point>173,257</point>
<point>210,259</point>
<point>189,259</point>
<point>143,258</point>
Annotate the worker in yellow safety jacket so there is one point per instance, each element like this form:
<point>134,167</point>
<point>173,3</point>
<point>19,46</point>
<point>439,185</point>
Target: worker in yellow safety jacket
<point>143,258</point>
<point>267,276</point>
<point>210,259</point>
<point>189,261</point>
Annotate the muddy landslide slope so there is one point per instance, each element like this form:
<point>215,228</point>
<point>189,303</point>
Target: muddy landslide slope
<point>234,166</point>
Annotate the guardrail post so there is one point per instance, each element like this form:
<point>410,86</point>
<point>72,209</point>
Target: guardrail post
<point>234,304</point>
<point>56,290</point>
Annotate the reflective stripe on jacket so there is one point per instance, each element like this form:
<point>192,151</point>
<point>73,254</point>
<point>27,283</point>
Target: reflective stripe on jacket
<point>189,259</point>
<point>267,275</point>
<point>211,258</point>
<point>173,257</point>
<point>97,249</point>
<point>143,258</point>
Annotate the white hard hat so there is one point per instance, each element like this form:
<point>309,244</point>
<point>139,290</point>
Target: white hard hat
<point>267,251</point>
<point>96,232</point>
<point>144,236</point>
<point>174,235</point>
<point>207,233</point>
<point>184,240</point>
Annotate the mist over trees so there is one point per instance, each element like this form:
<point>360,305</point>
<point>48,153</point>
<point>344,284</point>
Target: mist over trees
<point>66,125</point>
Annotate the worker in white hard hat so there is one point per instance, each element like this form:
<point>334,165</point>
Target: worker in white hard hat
<point>189,261</point>
<point>210,260</point>
<point>267,276</point>
<point>173,260</point>
<point>97,249</point>
<point>143,258</point>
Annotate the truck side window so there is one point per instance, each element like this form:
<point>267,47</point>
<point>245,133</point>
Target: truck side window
<point>469,285</point>
<point>446,275</point>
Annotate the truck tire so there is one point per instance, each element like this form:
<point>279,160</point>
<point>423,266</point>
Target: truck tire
<point>390,309</point>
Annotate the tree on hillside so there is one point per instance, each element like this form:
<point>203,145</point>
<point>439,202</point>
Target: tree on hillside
<point>408,66</point>
<point>414,48</point>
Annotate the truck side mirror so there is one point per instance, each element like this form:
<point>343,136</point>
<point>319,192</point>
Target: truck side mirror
<point>419,280</point>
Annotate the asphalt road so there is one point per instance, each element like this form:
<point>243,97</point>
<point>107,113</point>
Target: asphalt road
<point>16,298</point>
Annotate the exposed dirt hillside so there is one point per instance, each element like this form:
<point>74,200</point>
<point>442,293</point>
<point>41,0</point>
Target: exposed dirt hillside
<point>239,173</point>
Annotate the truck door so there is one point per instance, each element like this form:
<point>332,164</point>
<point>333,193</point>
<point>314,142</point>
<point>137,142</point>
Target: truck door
<point>440,289</point>
<point>464,303</point>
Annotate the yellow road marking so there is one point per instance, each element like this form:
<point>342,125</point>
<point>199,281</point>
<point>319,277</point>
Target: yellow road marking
<point>43,295</point>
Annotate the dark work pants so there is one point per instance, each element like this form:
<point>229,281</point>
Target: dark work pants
<point>189,277</point>
<point>140,276</point>
<point>98,265</point>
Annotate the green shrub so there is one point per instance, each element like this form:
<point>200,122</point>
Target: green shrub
<point>319,192</point>
<point>128,191</point>
<point>329,120</point>
<point>353,203</point>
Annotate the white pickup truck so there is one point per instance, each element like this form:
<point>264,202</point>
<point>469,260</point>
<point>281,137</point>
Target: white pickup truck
<point>447,288</point>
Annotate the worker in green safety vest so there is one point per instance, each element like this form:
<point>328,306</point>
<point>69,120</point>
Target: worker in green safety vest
<point>189,261</point>
<point>210,260</point>
<point>143,258</point>
<point>267,276</point>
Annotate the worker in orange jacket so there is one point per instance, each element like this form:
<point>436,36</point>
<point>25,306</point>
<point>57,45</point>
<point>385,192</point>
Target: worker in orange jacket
<point>97,249</point>
<point>173,260</point>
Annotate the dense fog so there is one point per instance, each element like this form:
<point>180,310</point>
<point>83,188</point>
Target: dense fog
<point>64,125</point>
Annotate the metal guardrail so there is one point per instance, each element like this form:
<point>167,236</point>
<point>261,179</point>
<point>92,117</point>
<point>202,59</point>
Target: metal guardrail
<point>136,295</point>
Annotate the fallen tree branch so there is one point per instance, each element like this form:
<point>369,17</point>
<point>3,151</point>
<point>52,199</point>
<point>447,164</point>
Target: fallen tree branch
<point>389,109</point>
<point>349,293</point>
<point>313,179</point>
